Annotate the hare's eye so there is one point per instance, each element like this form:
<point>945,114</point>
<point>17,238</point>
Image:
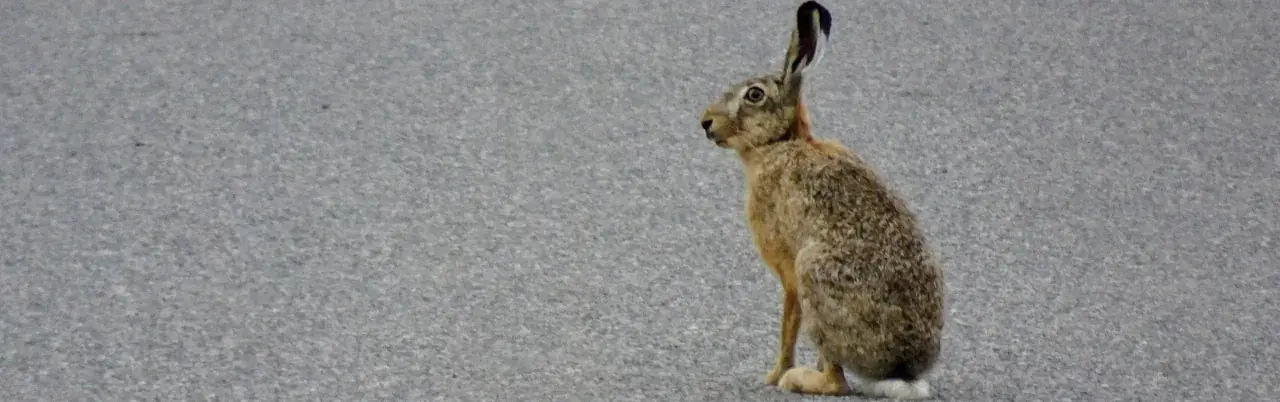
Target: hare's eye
<point>755,94</point>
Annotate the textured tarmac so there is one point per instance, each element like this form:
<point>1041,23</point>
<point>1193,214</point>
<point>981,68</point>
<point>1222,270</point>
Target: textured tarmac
<point>501,200</point>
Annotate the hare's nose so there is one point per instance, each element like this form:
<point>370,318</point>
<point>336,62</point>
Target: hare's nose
<point>706,126</point>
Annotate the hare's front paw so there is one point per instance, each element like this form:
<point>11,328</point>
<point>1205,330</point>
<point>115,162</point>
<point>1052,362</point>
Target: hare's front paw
<point>775,374</point>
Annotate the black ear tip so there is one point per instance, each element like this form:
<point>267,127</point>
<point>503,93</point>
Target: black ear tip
<point>806,10</point>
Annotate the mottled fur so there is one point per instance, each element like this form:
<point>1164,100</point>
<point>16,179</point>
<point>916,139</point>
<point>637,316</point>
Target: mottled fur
<point>856,274</point>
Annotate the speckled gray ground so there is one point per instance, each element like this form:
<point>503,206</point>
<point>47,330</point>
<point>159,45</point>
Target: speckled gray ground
<point>500,200</point>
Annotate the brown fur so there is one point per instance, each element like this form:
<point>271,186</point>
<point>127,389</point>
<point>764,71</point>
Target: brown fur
<point>856,274</point>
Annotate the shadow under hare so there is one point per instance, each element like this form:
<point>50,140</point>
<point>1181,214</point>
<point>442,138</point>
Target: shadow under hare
<point>856,273</point>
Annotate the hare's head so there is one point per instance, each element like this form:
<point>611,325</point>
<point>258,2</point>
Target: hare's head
<point>767,108</point>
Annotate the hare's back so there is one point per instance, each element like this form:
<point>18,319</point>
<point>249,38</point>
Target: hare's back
<point>850,199</point>
<point>865,232</point>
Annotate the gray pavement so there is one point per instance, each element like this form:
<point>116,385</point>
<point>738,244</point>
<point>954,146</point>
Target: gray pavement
<point>502,200</point>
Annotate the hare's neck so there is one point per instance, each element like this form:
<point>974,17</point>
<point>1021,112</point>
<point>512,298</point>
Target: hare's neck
<point>757,158</point>
<point>802,127</point>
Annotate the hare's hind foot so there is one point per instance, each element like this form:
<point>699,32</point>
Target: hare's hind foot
<point>804,380</point>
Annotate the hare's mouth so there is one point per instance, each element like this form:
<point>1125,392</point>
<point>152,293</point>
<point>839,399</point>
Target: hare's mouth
<point>716,139</point>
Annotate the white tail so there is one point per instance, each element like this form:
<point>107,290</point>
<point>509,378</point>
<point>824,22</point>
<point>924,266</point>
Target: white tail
<point>898,389</point>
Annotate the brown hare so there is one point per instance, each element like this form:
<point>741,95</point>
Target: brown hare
<point>856,273</point>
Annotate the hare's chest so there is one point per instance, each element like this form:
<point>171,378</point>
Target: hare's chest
<point>757,213</point>
<point>763,221</point>
<point>767,215</point>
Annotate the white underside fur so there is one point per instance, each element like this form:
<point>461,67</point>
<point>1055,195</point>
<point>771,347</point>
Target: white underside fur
<point>897,389</point>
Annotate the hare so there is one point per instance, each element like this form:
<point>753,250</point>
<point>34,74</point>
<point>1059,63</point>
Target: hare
<point>856,273</point>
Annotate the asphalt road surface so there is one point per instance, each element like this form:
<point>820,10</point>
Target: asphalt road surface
<point>499,200</point>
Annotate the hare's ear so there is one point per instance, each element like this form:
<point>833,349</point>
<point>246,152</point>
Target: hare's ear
<point>808,42</point>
